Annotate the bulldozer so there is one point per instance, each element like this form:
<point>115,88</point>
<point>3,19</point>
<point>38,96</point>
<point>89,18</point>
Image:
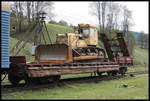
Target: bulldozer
<point>81,45</point>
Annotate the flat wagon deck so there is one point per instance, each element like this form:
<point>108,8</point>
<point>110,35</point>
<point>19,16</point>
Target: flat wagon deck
<point>47,69</point>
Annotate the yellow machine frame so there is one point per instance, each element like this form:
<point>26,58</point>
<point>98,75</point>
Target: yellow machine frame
<point>77,40</point>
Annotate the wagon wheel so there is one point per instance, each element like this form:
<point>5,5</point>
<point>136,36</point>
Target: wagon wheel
<point>99,73</point>
<point>16,73</point>
<point>13,74</point>
<point>13,79</point>
<point>56,78</point>
<point>27,80</point>
<point>114,73</point>
<point>123,70</point>
<point>109,73</point>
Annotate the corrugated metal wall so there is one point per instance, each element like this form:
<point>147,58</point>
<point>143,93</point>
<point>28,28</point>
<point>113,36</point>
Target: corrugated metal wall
<point>5,34</point>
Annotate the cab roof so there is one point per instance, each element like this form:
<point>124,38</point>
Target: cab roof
<point>84,26</point>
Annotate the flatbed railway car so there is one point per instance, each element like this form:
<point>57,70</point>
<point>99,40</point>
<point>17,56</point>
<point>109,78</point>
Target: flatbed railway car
<point>73,53</point>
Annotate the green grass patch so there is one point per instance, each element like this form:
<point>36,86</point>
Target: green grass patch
<point>141,56</point>
<point>101,90</point>
<point>23,52</point>
<point>136,69</point>
<point>52,30</point>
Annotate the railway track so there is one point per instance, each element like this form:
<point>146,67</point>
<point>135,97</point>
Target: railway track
<point>62,82</point>
<point>137,73</point>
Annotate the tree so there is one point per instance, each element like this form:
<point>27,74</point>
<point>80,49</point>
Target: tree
<point>99,9</point>
<point>20,15</point>
<point>45,7</point>
<point>127,20</point>
<point>17,9</point>
<point>71,25</point>
<point>112,16</point>
<point>29,10</point>
<point>52,22</point>
<point>32,10</point>
<point>126,24</point>
<point>107,14</point>
<point>103,5</point>
<point>96,10</point>
<point>143,40</point>
<point>146,41</point>
<point>131,42</point>
<point>62,22</point>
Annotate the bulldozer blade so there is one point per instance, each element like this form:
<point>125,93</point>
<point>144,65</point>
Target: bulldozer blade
<point>53,53</point>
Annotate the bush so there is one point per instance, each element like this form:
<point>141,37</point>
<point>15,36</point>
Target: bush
<point>62,22</point>
<point>52,22</point>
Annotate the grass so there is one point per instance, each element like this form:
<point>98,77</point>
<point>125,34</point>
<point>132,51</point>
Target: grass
<point>141,56</point>
<point>136,69</point>
<point>23,52</point>
<point>101,90</point>
<point>52,30</point>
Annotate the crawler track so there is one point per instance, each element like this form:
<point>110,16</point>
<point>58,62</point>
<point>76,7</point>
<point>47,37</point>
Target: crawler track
<point>62,82</point>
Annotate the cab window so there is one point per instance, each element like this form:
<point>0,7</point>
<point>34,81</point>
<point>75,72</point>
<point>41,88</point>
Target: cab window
<point>85,32</point>
<point>92,32</point>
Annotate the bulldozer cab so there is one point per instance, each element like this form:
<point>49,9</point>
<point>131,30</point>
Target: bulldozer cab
<point>88,32</point>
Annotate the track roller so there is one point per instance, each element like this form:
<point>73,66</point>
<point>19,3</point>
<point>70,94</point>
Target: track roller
<point>99,74</point>
<point>16,73</point>
<point>122,70</point>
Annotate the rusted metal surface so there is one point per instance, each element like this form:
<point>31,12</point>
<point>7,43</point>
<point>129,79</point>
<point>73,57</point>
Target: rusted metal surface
<point>70,68</point>
<point>18,59</point>
<point>63,71</point>
<point>88,57</point>
<point>53,53</point>
<point>107,46</point>
<point>129,60</point>
<point>125,60</point>
<point>32,65</point>
<point>122,44</point>
<point>83,26</point>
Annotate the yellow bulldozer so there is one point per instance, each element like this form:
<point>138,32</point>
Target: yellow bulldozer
<point>69,47</point>
<point>85,35</point>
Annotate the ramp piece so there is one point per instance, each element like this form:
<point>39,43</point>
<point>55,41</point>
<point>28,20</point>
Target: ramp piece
<point>107,46</point>
<point>88,57</point>
<point>53,53</point>
<point>122,44</point>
